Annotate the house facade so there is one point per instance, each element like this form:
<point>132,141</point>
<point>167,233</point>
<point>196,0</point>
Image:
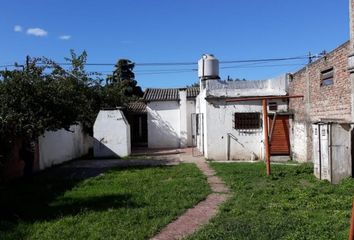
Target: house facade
<point>220,130</point>
<point>169,114</point>
<point>235,130</point>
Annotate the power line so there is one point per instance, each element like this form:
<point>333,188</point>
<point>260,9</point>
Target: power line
<point>186,63</point>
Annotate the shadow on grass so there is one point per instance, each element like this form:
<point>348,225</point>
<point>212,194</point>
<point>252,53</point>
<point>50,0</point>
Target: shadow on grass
<point>42,198</point>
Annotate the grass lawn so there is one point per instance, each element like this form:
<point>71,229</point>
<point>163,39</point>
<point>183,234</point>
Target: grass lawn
<point>129,203</point>
<point>291,204</point>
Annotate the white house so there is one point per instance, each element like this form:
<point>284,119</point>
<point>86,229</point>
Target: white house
<point>169,114</point>
<point>221,130</point>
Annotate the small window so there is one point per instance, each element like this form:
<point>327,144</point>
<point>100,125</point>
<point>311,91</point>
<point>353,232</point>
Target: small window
<point>247,121</point>
<point>273,106</point>
<point>327,77</point>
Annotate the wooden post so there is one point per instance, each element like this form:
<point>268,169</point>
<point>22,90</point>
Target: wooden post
<point>351,232</point>
<point>266,135</point>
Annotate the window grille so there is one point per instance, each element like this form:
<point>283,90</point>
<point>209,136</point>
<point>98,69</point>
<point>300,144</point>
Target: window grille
<point>273,106</point>
<point>247,121</point>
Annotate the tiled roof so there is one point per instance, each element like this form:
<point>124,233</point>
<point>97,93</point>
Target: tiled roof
<point>192,92</point>
<point>137,107</point>
<point>168,94</point>
<point>161,94</point>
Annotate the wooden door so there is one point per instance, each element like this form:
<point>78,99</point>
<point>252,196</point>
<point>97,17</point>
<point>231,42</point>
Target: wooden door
<point>280,142</point>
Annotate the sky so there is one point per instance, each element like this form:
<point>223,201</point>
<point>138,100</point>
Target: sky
<point>174,31</point>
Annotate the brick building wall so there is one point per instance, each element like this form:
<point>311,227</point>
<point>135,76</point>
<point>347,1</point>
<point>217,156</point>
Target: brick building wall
<point>320,102</point>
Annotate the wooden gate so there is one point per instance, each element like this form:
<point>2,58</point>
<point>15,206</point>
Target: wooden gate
<point>279,135</point>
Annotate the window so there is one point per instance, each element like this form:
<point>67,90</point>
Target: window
<point>327,77</point>
<point>273,106</point>
<point>247,121</point>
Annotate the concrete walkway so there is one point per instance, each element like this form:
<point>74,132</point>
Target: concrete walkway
<point>201,213</point>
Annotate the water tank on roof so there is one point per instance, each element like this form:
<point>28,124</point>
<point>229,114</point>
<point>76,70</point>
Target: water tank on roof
<point>208,67</point>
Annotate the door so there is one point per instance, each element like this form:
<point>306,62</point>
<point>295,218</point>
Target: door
<point>279,137</point>
<point>138,129</point>
<point>197,134</point>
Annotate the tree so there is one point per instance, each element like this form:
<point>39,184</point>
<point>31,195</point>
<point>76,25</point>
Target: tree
<point>123,71</point>
<point>196,84</point>
<point>121,86</point>
<point>43,96</point>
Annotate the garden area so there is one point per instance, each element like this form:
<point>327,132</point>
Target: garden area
<point>290,204</point>
<point>130,203</point>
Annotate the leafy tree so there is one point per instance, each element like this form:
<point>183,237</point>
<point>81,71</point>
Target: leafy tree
<point>123,71</point>
<point>43,96</point>
<point>196,84</point>
<point>121,86</point>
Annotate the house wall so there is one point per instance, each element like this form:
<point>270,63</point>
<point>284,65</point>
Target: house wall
<point>56,147</point>
<point>222,140</point>
<point>183,135</point>
<point>163,124</point>
<point>191,109</point>
<point>333,102</point>
<point>201,110</point>
<point>111,133</point>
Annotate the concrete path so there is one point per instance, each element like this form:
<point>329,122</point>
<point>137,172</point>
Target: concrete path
<point>201,213</point>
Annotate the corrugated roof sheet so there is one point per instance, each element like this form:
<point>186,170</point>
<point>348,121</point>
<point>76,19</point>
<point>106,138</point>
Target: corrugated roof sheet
<point>192,92</point>
<point>137,107</point>
<point>161,94</point>
<point>168,94</point>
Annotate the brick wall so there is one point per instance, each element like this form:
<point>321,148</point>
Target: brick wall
<point>321,102</point>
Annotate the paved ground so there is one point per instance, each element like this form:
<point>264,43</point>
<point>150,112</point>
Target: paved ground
<point>82,169</point>
<point>200,214</point>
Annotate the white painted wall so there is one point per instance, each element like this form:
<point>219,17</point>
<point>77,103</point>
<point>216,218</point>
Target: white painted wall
<point>201,109</point>
<point>219,120</point>
<point>191,109</point>
<point>163,124</point>
<point>183,118</point>
<point>56,147</point>
<point>271,87</point>
<point>298,140</point>
<point>111,133</point>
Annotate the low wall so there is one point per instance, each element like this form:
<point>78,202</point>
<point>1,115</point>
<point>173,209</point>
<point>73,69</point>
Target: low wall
<point>56,147</point>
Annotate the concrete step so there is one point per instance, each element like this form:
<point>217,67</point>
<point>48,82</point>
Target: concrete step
<point>280,158</point>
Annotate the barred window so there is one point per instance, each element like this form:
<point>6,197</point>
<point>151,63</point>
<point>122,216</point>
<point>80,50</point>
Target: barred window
<point>327,77</point>
<point>273,106</point>
<point>246,121</point>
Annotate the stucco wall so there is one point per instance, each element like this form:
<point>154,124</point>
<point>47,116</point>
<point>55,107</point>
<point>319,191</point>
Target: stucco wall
<point>223,141</point>
<point>190,110</point>
<point>163,124</point>
<point>111,133</point>
<point>56,147</point>
<point>298,133</point>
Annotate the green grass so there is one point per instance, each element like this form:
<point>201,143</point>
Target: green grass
<point>122,204</point>
<point>291,204</point>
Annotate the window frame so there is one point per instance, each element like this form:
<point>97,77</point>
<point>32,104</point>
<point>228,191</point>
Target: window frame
<point>327,77</point>
<point>247,121</point>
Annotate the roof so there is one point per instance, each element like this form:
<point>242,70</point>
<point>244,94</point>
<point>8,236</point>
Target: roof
<point>168,94</point>
<point>192,92</point>
<point>161,94</point>
<point>136,107</point>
